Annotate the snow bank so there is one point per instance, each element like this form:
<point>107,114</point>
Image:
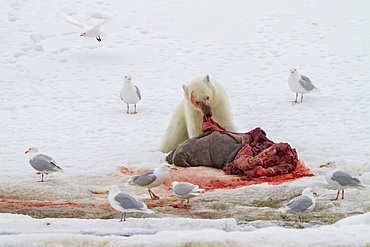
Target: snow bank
<point>351,231</point>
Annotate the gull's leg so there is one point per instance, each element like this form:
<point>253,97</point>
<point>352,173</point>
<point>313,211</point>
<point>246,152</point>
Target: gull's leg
<point>296,97</point>
<point>135,110</point>
<point>42,177</point>
<point>152,195</point>
<point>335,198</point>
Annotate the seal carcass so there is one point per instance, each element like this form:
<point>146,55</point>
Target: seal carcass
<point>249,154</point>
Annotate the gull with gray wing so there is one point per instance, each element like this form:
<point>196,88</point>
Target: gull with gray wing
<point>185,190</point>
<point>301,205</point>
<point>130,93</point>
<point>42,163</point>
<point>340,180</point>
<point>299,84</point>
<point>152,178</point>
<point>123,202</point>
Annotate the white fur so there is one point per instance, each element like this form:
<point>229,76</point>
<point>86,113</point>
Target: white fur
<point>186,121</point>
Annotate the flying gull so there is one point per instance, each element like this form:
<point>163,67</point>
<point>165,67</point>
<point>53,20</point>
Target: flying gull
<point>87,31</point>
<point>299,84</point>
<point>185,190</point>
<point>42,163</point>
<point>130,93</point>
<point>301,205</point>
<point>340,180</point>
<point>152,178</point>
<point>125,203</point>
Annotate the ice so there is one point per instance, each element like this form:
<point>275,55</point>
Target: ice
<point>175,232</point>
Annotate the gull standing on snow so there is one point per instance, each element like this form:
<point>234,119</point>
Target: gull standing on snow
<point>152,178</point>
<point>185,190</point>
<point>42,163</point>
<point>299,84</point>
<point>340,180</point>
<point>130,93</point>
<point>301,205</point>
<point>87,31</point>
<point>125,203</point>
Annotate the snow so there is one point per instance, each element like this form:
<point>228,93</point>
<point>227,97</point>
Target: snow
<point>60,93</point>
<point>175,232</point>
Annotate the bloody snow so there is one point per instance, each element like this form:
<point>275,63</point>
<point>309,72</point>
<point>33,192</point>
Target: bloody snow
<point>60,93</point>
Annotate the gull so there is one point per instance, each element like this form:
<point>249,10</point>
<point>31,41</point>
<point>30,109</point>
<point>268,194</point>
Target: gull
<point>42,163</point>
<point>185,190</point>
<point>130,93</point>
<point>299,84</point>
<point>301,205</point>
<point>340,180</point>
<point>152,178</point>
<point>123,202</point>
<point>87,31</point>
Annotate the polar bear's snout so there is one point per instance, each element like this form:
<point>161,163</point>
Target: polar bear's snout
<point>207,110</point>
<point>204,107</point>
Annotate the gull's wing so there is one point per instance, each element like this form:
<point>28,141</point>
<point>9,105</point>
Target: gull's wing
<point>306,83</point>
<point>70,20</point>
<point>300,204</point>
<point>97,27</point>
<point>138,92</point>
<point>129,202</point>
<point>184,188</point>
<point>144,179</point>
<point>43,162</point>
<point>345,179</point>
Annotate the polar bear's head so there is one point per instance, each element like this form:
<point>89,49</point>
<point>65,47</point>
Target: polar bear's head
<point>199,93</point>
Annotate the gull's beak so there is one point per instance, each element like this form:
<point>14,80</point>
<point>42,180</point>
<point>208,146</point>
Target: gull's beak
<point>107,192</point>
<point>27,152</point>
<point>129,79</point>
<point>169,188</point>
<point>174,168</point>
<point>315,193</point>
<point>81,35</point>
<point>322,166</point>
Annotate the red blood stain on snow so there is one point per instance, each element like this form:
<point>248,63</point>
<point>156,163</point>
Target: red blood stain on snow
<point>211,178</point>
<point>98,192</point>
<point>13,204</point>
<point>184,206</point>
<point>154,204</point>
<point>207,178</point>
<point>128,171</point>
<point>163,204</point>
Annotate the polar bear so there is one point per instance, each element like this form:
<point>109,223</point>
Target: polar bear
<point>201,96</point>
